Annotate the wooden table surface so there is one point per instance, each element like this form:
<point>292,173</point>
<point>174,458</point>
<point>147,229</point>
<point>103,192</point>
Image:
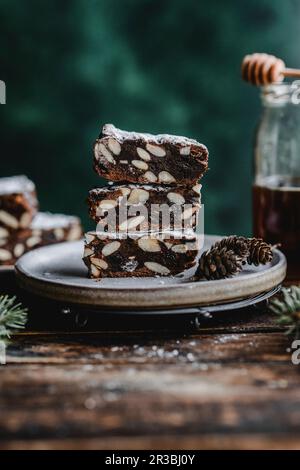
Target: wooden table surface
<point>151,384</point>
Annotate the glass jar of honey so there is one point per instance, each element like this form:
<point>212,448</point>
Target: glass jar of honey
<point>276,189</point>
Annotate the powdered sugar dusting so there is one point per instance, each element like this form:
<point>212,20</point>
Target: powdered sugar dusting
<point>130,266</point>
<point>109,130</point>
<point>188,235</point>
<point>46,220</point>
<point>16,184</point>
<point>116,186</point>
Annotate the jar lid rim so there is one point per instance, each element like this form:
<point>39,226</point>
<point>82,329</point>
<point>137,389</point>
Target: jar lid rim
<point>281,93</point>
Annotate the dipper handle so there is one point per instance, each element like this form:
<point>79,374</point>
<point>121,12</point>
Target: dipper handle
<point>263,69</point>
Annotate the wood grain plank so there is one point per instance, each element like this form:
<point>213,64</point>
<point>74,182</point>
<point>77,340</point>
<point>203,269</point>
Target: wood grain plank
<point>149,399</point>
<point>116,348</point>
<point>198,442</point>
<point>153,384</point>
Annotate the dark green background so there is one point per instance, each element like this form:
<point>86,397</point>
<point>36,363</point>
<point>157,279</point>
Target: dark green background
<point>146,65</point>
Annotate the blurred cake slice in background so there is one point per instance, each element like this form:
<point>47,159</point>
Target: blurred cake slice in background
<point>18,203</point>
<point>22,228</point>
<point>45,229</point>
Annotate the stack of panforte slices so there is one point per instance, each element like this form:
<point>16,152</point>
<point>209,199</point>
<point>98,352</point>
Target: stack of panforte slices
<point>146,218</point>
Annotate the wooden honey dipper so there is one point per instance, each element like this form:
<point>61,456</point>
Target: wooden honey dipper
<point>264,69</point>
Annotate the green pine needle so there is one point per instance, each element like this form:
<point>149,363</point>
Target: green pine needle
<point>287,308</point>
<point>13,317</point>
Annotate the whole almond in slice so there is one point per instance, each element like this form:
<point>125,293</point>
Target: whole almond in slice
<point>107,204</point>
<point>75,233</point>
<point>100,263</point>
<point>157,268</point>
<point>138,196</point>
<point>156,150</point>
<point>106,153</point>
<point>33,241</point>
<point>5,255</point>
<point>140,165</point>
<point>187,213</point>
<point>135,221</point>
<point>37,233</point>
<point>8,219</point>
<point>185,150</point>
<point>197,188</point>
<point>89,237</point>
<point>143,154</point>
<point>175,198</point>
<point>95,272</point>
<point>149,244</point>
<point>166,177</point>
<point>59,233</point>
<point>114,146</point>
<point>179,248</point>
<point>125,191</point>
<point>131,223</point>
<point>25,220</point>
<point>19,250</point>
<point>110,248</point>
<point>87,252</point>
<point>149,176</point>
<point>3,232</point>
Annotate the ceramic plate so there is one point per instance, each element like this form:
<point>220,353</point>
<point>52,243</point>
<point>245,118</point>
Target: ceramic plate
<point>57,272</point>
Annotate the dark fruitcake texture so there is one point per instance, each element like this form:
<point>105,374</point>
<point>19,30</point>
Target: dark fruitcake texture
<point>139,255</point>
<point>18,203</point>
<point>45,229</point>
<point>145,158</point>
<point>165,170</point>
<point>167,207</point>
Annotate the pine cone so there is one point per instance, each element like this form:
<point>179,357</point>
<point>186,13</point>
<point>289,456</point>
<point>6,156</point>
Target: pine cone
<point>218,263</point>
<point>260,252</point>
<point>239,245</point>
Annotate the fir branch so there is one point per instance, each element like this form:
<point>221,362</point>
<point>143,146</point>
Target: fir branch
<point>13,317</point>
<point>287,309</point>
